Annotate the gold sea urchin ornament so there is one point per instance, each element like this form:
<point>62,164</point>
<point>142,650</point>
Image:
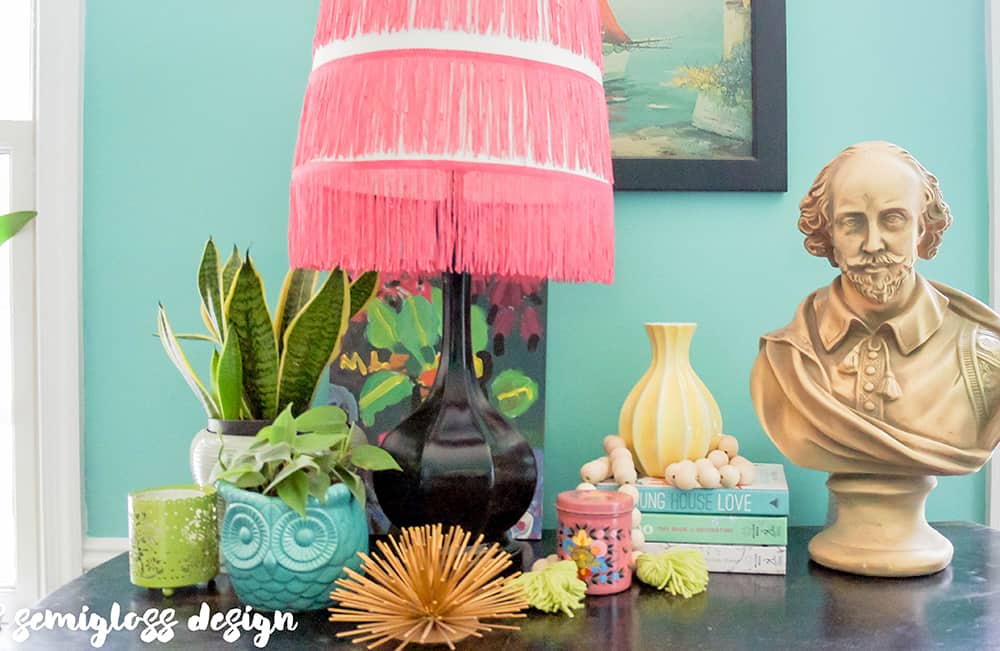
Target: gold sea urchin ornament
<point>427,588</point>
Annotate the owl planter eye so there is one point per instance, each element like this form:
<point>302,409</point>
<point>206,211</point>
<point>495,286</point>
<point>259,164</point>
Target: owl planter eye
<point>245,533</point>
<point>304,544</point>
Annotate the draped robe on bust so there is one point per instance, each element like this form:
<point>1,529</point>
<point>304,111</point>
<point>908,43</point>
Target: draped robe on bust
<point>793,393</point>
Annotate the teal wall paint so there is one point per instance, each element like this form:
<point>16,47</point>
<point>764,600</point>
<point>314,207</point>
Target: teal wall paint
<point>191,112</point>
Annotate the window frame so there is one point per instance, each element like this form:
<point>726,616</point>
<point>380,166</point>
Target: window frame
<point>46,267</point>
<point>58,279</point>
<point>17,140</point>
<point>992,24</point>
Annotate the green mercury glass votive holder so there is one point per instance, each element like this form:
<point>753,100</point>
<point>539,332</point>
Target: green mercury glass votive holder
<point>173,537</point>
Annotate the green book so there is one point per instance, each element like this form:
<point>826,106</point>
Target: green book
<point>718,529</point>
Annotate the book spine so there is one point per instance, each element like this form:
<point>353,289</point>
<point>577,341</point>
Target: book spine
<point>720,529</point>
<point>657,499</point>
<point>732,559</point>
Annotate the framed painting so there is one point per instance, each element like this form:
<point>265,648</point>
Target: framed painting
<point>696,93</point>
<point>389,357</point>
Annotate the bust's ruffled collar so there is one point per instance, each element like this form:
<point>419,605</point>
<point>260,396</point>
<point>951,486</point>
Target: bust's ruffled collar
<point>914,325</point>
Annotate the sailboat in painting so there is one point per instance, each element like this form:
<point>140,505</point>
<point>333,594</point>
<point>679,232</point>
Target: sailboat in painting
<point>618,45</point>
<point>615,39</point>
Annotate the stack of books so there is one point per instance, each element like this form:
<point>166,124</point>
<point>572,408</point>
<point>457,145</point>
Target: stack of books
<point>739,530</point>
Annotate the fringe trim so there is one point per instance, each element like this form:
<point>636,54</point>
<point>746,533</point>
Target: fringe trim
<point>571,24</point>
<point>427,220</point>
<point>484,106</point>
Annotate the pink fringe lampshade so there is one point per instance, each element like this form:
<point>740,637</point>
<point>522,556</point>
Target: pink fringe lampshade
<point>455,136</point>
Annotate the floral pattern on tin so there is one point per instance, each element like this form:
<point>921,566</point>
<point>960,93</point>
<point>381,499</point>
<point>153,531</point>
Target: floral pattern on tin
<point>592,550</point>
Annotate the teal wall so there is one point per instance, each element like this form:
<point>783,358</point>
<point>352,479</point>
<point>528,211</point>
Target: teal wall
<point>191,112</point>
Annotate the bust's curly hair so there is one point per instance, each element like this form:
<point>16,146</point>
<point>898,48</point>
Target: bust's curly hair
<point>815,220</point>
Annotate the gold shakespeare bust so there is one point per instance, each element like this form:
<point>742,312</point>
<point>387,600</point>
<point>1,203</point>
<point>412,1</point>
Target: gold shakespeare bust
<point>883,378</point>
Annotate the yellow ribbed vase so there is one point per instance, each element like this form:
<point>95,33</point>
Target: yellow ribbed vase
<point>670,414</point>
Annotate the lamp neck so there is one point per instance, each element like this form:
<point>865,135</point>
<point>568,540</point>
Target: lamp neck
<point>456,330</point>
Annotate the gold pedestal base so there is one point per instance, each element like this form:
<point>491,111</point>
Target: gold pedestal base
<point>880,529</point>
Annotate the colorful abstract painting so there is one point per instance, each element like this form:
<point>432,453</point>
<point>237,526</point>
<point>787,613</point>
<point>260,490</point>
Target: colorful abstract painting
<point>389,359</point>
<point>678,78</point>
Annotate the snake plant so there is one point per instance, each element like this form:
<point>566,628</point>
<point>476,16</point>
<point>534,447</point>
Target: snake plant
<point>260,364</point>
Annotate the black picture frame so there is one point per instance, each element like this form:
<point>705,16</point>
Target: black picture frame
<point>767,170</point>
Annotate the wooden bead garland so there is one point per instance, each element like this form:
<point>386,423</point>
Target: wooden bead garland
<point>596,471</point>
<point>722,467</point>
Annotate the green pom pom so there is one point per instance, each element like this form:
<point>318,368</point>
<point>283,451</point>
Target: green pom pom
<point>677,571</point>
<point>553,589</point>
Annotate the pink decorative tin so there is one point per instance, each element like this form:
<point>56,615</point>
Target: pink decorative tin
<point>595,532</point>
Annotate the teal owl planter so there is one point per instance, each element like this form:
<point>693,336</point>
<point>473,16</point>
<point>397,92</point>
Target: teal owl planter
<point>278,560</point>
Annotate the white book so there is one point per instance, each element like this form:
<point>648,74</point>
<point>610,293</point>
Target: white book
<point>733,559</point>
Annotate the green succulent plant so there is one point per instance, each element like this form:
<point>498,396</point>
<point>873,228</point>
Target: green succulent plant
<point>259,362</point>
<point>11,223</point>
<point>299,456</point>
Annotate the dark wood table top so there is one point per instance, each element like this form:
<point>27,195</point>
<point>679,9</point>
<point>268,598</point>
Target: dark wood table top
<point>810,608</point>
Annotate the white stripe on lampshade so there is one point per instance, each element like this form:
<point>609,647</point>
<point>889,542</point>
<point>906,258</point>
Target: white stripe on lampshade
<point>460,158</point>
<point>433,39</point>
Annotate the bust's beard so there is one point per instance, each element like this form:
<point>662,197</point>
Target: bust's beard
<point>880,287</point>
<point>884,289</point>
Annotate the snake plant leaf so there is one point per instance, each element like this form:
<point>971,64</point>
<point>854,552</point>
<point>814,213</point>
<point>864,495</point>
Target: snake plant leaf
<point>363,290</point>
<point>295,294</point>
<point>207,320</point>
<point>210,288</point>
<point>248,316</point>
<point>294,491</point>
<point>418,326</point>
<point>12,223</point>
<point>229,272</point>
<point>513,393</point>
<point>176,355</point>
<point>310,341</point>
<point>214,371</point>
<point>229,382</point>
<point>194,336</point>
<point>382,326</point>
<point>382,390</point>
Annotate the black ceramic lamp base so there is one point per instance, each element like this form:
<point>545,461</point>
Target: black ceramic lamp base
<point>462,462</point>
